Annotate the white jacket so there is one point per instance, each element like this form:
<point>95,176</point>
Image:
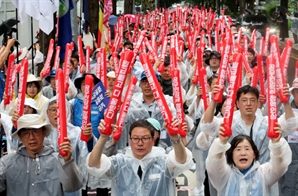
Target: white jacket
<point>230,181</point>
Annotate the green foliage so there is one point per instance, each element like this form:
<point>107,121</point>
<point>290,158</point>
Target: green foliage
<point>270,8</point>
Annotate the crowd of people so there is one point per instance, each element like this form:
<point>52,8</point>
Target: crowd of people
<point>147,158</point>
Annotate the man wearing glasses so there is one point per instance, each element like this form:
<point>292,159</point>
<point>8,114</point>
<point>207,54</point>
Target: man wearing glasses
<point>144,169</point>
<point>36,169</point>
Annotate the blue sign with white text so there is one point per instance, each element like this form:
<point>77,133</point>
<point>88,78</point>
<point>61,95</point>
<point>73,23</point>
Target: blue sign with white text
<point>98,95</point>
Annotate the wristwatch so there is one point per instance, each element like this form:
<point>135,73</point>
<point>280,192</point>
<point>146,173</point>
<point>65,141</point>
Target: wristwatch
<point>177,141</point>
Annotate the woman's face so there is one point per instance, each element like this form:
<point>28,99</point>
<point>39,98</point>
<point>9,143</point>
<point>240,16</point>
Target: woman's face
<point>243,155</point>
<point>32,89</point>
<point>250,57</point>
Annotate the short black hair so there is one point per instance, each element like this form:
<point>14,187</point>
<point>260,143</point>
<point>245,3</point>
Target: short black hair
<point>75,56</point>
<point>234,143</point>
<point>167,61</point>
<point>211,78</point>
<point>247,89</point>
<point>142,123</point>
<point>219,106</point>
<point>251,51</point>
<point>36,84</point>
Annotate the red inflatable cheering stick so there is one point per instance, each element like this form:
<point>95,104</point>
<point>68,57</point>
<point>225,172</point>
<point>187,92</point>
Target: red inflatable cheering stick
<point>101,67</point>
<point>61,109</point>
<point>87,106</point>
<point>177,97</point>
<point>158,95</point>
<point>199,65</point>
<point>280,79</point>
<point>67,58</point>
<point>125,106</point>
<point>81,54</point>
<point>204,85</point>
<point>254,79</point>
<point>8,83</point>
<point>56,62</point>
<point>272,99</point>
<point>231,98</point>
<point>217,97</point>
<point>22,87</point>
<point>47,67</point>
<point>116,94</point>
<point>161,67</point>
<point>262,76</point>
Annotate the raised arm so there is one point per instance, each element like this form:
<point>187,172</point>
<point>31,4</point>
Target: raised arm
<point>216,164</point>
<point>289,113</point>
<point>280,159</point>
<point>179,148</point>
<point>209,113</point>
<point>95,155</point>
<point>5,52</point>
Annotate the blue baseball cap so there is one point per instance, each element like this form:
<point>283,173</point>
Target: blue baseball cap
<point>52,75</point>
<point>143,76</point>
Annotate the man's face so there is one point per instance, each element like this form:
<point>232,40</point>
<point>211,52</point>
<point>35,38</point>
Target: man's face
<point>214,61</point>
<point>111,82</point>
<point>295,95</point>
<point>234,29</point>
<point>165,75</point>
<point>53,83</point>
<point>52,114</point>
<point>168,50</point>
<point>71,69</point>
<point>146,89</point>
<point>247,104</point>
<point>128,46</point>
<point>32,138</point>
<point>213,83</point>
<point>144,145</point>
<point>75,63</point>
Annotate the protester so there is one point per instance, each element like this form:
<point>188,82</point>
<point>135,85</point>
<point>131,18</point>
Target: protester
<point>144,105</point>
<point>78,102</point>
<point>294,26</point>
<point>234,168</point>
<point>75,73</point>
<point>287,182</point>
<point>81,148</point>
<point>89,38</point>
<point>36,168</point>
<point>149,170</point>
<point>4,53</point>
<point>213,62</point>
<point>50,90</point>
<point>8,126</point>
<point>249,120</point>
<point>111,78</point>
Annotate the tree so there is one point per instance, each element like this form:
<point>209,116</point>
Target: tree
<point>93,8</point>
<point>285,28</point>
<point>127,6</point>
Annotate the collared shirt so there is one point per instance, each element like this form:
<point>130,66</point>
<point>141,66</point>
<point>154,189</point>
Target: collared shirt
<point>149,107</point>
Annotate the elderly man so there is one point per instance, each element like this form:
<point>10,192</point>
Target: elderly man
<point>36,169</point>
<point>144,169</point>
